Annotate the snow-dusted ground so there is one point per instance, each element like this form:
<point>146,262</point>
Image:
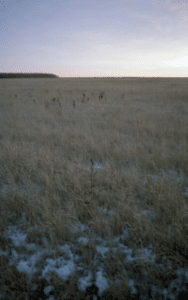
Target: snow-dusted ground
<point>27,262</point>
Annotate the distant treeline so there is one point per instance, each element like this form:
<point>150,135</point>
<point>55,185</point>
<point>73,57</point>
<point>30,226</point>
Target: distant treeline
<point>27,75</point>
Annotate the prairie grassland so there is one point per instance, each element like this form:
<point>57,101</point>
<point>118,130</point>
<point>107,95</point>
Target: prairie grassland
<point>54,132</point>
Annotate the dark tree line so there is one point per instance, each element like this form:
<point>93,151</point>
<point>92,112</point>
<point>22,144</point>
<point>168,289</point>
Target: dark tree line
<point>27,75</point>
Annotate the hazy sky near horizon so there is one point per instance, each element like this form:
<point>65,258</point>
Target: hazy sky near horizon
<point>95,38</point>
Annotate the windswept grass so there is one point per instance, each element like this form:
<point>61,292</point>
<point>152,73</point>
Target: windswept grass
<point>52,135</point>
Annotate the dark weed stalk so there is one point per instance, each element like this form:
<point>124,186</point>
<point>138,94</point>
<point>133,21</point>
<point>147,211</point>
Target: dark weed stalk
<point>90,199</point>
<point>91,192</point>
<point>74,104</point>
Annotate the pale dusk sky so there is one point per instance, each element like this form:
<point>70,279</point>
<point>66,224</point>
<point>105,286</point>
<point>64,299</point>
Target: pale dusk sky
<point>95,38</point>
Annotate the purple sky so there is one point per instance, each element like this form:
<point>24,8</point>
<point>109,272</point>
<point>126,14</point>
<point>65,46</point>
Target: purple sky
<point>95,38</point>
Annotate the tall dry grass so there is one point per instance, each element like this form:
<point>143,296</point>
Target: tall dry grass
<point>51,132</point>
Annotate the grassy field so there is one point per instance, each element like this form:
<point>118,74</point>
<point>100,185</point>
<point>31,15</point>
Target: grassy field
<point>71,152</point>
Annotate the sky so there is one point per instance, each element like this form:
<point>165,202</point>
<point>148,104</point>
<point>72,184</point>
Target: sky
<point>95,38</point>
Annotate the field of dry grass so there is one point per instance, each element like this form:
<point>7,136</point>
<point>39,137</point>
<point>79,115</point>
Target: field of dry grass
<point>55,132</point>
